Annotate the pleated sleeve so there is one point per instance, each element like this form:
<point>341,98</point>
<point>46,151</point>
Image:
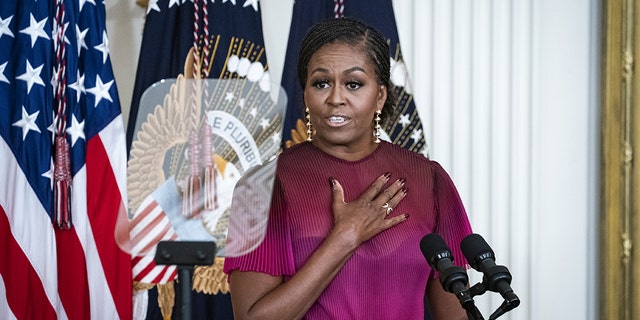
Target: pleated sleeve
<point>273,255</point>
<point>452,222</point>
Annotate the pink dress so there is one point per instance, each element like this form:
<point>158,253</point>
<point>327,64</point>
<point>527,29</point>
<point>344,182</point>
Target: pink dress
<point>387,275</point>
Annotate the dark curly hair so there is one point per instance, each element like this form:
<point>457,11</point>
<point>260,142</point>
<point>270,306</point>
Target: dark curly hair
<point>357,34</point>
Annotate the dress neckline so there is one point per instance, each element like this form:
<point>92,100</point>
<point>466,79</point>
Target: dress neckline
<point>334,158</point>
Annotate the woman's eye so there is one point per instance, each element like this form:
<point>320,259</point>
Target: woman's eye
<point>353,85</point>
<point>321,84</point>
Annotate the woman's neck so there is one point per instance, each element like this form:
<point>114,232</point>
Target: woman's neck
<point>345,152</point>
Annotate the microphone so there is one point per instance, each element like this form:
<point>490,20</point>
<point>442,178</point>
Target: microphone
<point>454,279</point>
<point>496,278</point>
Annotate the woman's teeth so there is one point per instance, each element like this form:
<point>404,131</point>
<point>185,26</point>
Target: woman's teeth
<point>336,119</point>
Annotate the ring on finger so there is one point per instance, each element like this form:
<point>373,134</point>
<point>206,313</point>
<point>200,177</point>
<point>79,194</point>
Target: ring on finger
<point>387,207</point>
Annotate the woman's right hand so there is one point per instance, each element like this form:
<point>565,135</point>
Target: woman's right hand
<point>361,219</point>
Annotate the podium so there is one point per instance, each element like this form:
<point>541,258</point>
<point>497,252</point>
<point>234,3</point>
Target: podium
<point>193,141</point>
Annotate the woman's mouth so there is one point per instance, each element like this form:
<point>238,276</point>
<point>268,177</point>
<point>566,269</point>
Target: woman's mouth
<point>337,121</point>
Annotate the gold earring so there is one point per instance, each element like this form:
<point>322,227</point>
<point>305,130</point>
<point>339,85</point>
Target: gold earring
<point>377,127</point>
<point>309,129</point>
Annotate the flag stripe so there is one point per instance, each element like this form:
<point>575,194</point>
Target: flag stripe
<point>148,227</point>
<point>22,295</point>
<point>72,274</point>
<point>33,233</point>
<point>114,138</point>
<point>154,274</point>
<point>140,264</point>
<point>115,262</point>
<point>169,273</point>
<point>145,270</point>
<point>153,226</point>
<point>5,311</point>
<point>146,264</point>
<point>148,206</point>
<point>150,238</point>
<point>161,275</point>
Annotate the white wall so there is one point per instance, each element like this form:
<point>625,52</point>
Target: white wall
<point>125,22</point>
<point>507,91</point>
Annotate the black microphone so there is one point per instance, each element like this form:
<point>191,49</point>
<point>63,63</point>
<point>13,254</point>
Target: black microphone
<point>453,278</point>
<point>496,278</point>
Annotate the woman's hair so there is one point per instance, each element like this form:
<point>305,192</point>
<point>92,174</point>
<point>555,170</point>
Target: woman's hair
<point>359,35</point>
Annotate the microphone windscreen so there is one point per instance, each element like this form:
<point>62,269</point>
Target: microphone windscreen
<point>431,245</point>
<point>473,246</point>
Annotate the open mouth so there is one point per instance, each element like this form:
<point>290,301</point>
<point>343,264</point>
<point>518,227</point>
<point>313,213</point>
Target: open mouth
<point>337,119</point>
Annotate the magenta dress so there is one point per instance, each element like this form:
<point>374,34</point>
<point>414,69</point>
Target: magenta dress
<point>387,275</point>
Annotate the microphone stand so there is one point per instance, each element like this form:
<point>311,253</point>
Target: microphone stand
<point>466,300</point>
<point>455,280</point>
<point>473,313</point>
<point>511,300</point>
<point>185,255</point>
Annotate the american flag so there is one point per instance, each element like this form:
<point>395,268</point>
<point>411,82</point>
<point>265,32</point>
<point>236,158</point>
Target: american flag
<point>148,226</point>
<point>56,79</point>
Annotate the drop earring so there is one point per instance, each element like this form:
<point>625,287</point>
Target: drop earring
<point>309,129</point>
<point>376,129</point>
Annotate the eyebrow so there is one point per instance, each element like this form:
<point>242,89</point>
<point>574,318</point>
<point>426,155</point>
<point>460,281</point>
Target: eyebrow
<point>350,70</point>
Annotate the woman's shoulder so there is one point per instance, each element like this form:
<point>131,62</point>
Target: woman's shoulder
<point>409,158</point>
<point>399,151</point>
<point>295,153</point>
<point>296,149</point>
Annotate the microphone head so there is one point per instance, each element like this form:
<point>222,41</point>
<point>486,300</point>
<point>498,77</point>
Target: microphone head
<point>434,248</point>
<point>476,250</point>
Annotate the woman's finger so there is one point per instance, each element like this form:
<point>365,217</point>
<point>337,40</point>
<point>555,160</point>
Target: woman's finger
<point>375,188</point>
<point>390,205</point>
<point>390,194</point>
<point>338,192</point>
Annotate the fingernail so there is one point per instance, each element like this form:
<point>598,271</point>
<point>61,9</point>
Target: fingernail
<point>406,216</point>
<point>404,190</point>
<point>332,182</point>
<point>402,181</point>
<point>387,175</point>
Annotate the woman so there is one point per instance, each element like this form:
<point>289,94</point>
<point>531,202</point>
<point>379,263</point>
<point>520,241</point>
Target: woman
<point>348,210</point>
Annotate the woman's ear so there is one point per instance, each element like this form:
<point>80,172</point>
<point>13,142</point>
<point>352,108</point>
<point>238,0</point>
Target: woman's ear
<point>382,96</point>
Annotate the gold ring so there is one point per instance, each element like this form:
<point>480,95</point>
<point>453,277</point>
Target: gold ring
<point>387,207</point>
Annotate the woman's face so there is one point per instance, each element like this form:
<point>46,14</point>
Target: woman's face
<point>342,95</point>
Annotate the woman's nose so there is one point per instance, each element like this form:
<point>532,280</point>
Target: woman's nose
<point>336,96</point>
